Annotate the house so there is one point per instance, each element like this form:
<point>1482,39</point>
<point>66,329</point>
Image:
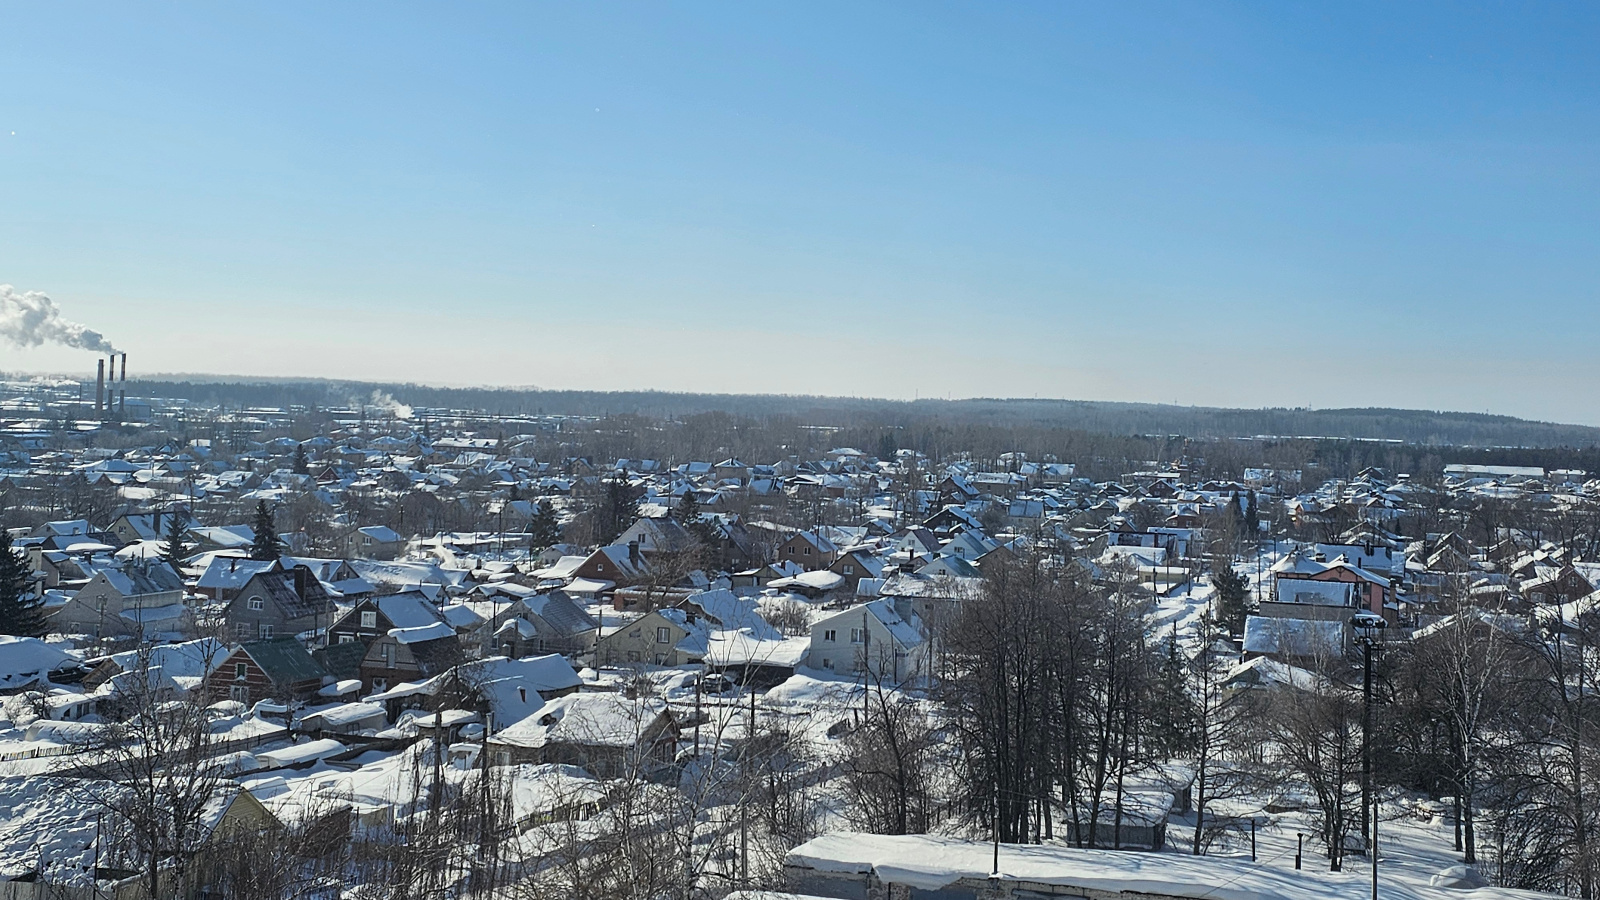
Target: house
<point>225,576</point>
<point>871,637</point>
<point>374,617</point>
<point>187,663</point>
<point>1310,643</point>
<point>654,638</point>
<point>409,655</point>
<point>142,597</point>
<point>373,542</point>
<point>809,550</point>
<point>130,528</point>
<point>275,603</point>
<point>946,566</point>
<point>273,669</point>
<point>607,734</point>
<point>1373,590</point>
<point>545,623</point>
<point>1556,586</point>
<point>854,565</point>
<point>509,689</point>
<point>657,536</point>
<point>27,662</point>
<point>613,565</point>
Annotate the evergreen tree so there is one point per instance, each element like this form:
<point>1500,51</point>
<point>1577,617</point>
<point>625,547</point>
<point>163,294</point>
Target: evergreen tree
<point>176,547</point>
<point>1252,518</point>
<point>620,510</point>
<point>1233,596</point>
<point>544,529</point>
<point>20,614</point>
<point>688,510</point>
<point>1172,716</point>
<point>266,544</point>
<point>302,464</point>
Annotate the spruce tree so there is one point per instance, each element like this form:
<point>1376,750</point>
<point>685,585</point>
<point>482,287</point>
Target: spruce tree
<point>544,529</point>
<point>302,465</point>
<point>266,545</point>
<point>176,547</point>
<point>1173,717</point>
<point>688,510</point>
<point>20,614</point>
<point>1233,597</point>
<point>621,510</point>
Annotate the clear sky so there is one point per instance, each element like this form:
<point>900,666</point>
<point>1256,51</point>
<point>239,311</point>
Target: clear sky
<point>1326,204</point>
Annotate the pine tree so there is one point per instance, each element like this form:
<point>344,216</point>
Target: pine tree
<point>1233,596</point>
<point>1252,518</point>
<point>20,614</point>
<point>266,545</point>
<point>176,547</point>
<point>302,465</point>
<point>544,529</point>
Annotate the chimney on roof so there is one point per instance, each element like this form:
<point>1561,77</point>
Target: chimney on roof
<point>633,552</point>
<point>301,579</point>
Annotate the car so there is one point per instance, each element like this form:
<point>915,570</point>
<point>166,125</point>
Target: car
<point>1368,620</point>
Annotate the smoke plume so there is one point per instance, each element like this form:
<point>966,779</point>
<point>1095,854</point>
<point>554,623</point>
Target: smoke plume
<point>385,401</point>
<point>30,319</point>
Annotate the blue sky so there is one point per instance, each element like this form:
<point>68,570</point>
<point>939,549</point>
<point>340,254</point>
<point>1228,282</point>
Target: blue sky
<point>1230,204</point>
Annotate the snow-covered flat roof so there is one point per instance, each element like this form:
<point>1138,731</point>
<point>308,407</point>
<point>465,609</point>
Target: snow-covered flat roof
<point>929,863</point>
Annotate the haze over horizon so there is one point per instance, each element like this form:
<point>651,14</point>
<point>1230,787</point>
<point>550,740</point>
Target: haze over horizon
<point>1234,205</point>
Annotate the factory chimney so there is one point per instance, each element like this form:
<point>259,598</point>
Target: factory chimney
<point>124,367</point>
<point>100,388</point>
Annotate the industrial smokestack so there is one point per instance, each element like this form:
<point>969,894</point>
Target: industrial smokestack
<point>100,387</point>
<point>124,367</point>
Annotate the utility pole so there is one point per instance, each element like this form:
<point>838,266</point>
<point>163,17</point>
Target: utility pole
<point>1368,624</point>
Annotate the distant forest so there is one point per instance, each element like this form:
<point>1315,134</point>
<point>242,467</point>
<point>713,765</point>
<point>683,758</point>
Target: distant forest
<point>1423,427</point>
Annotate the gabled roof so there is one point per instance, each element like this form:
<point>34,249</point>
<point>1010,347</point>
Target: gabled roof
<point>560,612</point>
<point>284,660</point>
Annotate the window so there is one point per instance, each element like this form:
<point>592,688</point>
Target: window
<point>255,603</point>
<point>502,758</point>
<point>663,634</point>
<point>661,659</point>
<point>830,635</point>
<point>379,685</point>
<point>827,663</point>
<point>266,631</point>
<point>387,652</point>
<point>239,692</point>
<point>849,570</point>
<point>855,635</point>
<point>243,628</point>
<point>806,551</point>
<point>369,619</point>
<point>347,639</point>
<point>240,671</point>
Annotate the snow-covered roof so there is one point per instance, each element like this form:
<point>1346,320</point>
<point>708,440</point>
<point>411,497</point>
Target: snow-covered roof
<point>25,660</point>
<point>594,719</point>
<point>929,863</point>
